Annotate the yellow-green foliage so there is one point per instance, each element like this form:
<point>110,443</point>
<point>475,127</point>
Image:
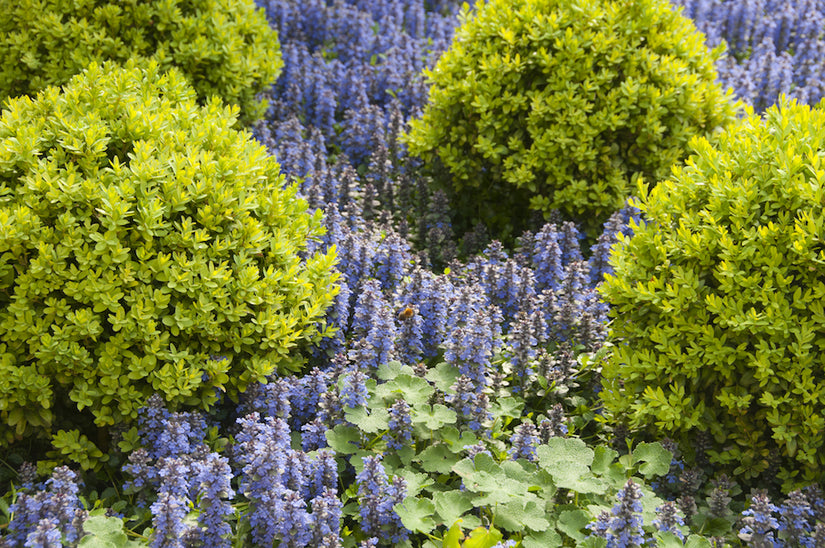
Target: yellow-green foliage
<point>718,299</point>
<point>141,236</point>
<point>223,47</point>
<point>559,104</point>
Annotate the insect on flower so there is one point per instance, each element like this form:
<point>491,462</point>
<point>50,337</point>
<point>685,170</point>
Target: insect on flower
<point>406,313</point>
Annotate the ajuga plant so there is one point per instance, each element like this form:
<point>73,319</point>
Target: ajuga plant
<point>544,105</point>
<point>147,247</point>
<point>717,301</point>
<point>223,47</point>
<point>774,46</point>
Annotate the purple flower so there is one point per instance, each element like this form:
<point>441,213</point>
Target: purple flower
<point>429,296</point>
<point>313,435</point>
<point>168,513</point>
<point>212,480</point>
<point>600,527</point>
<point>142,471</point>
<point>618,223</point>
<point>553,426</point>
<point>326,516</point>
<point>392,261</point>
<point>471,334</point>
<point>294,524</point>
<point>305,394</point>
<point>151,419</point>
<point>323,473</point>
<point>409,347</point>
<point>526,334</point>
<point>172,505</point>
<point>623,526</point>
<point>296,470</point>
<point>377,497</point>
<point>669,520</point>
<point>353,389</point>
<point>373,327</point>
<point>45,535</point>
<point>182,434</point>
<point>54,506</point>
<point>759,521</point>
<point>470,403</point>
<point>400,425</point>
<point>524,442</point>
<point>261,449</point>
<point>545,256</point>
<point>796,519</point>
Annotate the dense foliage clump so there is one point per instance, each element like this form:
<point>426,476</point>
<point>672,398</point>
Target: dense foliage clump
<point>717,300</point>
<point>147,247</point>
<point>486,427</point>
<point>223,47</point>
<point>544,105</point>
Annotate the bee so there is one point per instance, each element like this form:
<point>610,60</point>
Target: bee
<point>406,313</point>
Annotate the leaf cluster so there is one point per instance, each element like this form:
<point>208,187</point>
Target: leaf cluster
<point>557,105</point>
<point>223,47</point>
<point>717,300</point>
<point>543,503</point>
<point>146,247</point>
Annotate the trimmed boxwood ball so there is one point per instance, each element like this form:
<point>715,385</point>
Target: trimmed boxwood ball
<point>559,105</point>
<point>223,47</point>
<point>146,247</point>
<point>718,300</point>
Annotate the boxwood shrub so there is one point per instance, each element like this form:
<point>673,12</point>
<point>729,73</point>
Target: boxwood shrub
<point>560,105</point>
<point>146,247</point>
<point>223,47</point>
<point>718,300</point>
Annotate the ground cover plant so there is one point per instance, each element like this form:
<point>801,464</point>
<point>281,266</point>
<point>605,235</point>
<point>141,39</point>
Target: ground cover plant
<point>458,366</point>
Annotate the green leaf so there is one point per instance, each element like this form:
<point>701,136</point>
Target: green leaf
<point>344,439</point>
<point>655,459</point>
<point>438,458</point>
<point>392,369</point>
<point>451,505</point>
<point>457,442</point>
<point>433,417</point>
<point>592,542</point>
<point>452,538</point>
<point>668,540</point>
<point>483,476</point>
<point>516,515</point>
<point>603,458</point>
<point>416,514</point>
<point>406,454</point>
<point>571,522</point>
<point>443,376</point>
<point>105,532</point>
<point>373,421</point>
<point>480,481</point>
<point>568,461</point>
<point>507,407</point>
<point>544,539</point>
<point>712,527</point>
<point>416,481</point>
<point>521,471</point>
<point>605,467</point>
<point>414,390</point>
<point>482,538</point>
<point>697,541</point>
